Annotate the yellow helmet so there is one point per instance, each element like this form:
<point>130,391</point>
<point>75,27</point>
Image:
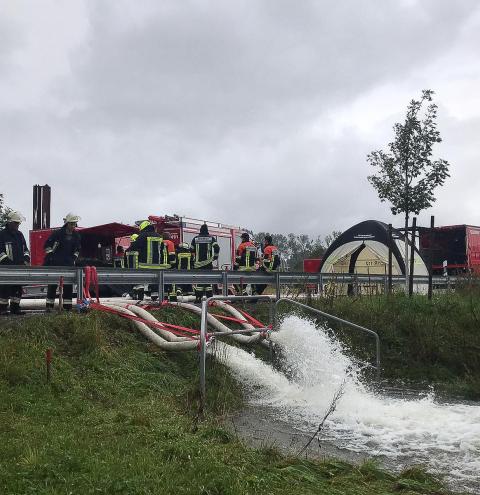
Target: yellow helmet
<point>133,237</point>
<point>144,224</point>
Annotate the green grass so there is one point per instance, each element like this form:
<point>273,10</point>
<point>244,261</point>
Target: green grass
<point>120,417</point>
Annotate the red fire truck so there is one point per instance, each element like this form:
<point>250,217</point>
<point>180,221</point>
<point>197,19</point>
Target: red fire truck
<point>455,249</point>
<point>99,243</point>
<point>184,229</point>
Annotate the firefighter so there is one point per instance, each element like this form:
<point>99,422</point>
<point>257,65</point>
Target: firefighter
<point>131,256</point>
<point>206,250</point>
<point>62,248</point>
<point>246,255</point>
<point>269,262</point>
<point>152,250</point>
<point>184,262</point>
<point>245,260</point>
<point>119,258</point>
<point>13,251</point>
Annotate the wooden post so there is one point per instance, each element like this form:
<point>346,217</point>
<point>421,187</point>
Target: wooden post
<point>412,257</point>
<point>430,258</point>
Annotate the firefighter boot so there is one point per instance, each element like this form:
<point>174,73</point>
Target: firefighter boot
<point>15,309</point>
<point>3,309</point>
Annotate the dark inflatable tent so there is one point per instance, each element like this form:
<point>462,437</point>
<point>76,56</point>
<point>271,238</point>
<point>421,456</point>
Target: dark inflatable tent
<point>363,248</point>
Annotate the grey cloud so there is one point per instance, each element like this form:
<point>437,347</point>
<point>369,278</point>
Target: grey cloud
<point>209,109</point>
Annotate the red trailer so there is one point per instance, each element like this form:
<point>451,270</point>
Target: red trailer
<point>312,265</point>
<point>457,245</point>
<point>99,243</point>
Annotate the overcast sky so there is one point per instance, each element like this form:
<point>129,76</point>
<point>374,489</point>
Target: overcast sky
<point>257,113</point>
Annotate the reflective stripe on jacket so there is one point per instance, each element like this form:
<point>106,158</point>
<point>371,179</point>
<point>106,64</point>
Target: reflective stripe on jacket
<point>206,250</point>
<point>13,248</point>
<point>246,256</point>
<point>271,258</point>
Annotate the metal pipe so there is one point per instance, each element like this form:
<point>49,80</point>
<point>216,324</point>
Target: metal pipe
<point>203,355</point>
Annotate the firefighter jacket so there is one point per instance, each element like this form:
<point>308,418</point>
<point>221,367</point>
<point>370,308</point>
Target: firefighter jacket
<point>13,248</point>
<point>172,255</point>
<point>152,251</point>
<point>246,256</point>
<point>61,248</point>
<point>271,258</point>
<point>131,258</point>
<point>205,249</point>
<point>184,257</point>
<point>119,261</point>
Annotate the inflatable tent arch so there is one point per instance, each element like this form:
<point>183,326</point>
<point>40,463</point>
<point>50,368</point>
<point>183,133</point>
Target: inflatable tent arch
<point>363,249</point>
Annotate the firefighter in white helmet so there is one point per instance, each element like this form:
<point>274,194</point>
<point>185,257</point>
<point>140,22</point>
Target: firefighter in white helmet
<point>62,249</point>
<point>13,251</point>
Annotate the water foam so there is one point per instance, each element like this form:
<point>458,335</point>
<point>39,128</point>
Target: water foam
<point>445,437</point>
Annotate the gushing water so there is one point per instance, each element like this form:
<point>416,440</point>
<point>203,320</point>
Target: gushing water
<point>444,437</point>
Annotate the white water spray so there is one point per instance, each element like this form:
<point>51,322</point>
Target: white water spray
<point>444,437</point>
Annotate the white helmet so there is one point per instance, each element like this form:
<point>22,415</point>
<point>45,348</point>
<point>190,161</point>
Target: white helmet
<point>15,216</point>
<point>71,218</point>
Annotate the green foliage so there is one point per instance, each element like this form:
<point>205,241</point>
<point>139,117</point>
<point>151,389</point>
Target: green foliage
<point>407,176</point>
<point>119,416</point>
<point>4,210</point>
<point>297,247</point>
<point>430,342</point>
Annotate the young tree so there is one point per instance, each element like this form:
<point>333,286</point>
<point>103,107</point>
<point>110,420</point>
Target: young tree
<point>329,238</point>
<point>3,212</point>
<point>406,175</point>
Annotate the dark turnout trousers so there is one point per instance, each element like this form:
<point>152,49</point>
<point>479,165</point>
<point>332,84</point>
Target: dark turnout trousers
<point>12,293</point>
<point>67,296</point>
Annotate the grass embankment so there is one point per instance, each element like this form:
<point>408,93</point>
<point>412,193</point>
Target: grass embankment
<point>423,342</point>
<point>119,416</point>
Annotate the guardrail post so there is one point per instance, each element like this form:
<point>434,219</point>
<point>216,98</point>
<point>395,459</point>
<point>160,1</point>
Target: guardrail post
<point>79,285</point>
<point>161,292</point>
<point>277,286</point>
<point>430,257</point>
<point>225,283</point>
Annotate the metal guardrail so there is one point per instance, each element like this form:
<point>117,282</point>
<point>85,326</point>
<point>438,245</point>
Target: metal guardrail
<point>338,320</point>
<point>23,275</point>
